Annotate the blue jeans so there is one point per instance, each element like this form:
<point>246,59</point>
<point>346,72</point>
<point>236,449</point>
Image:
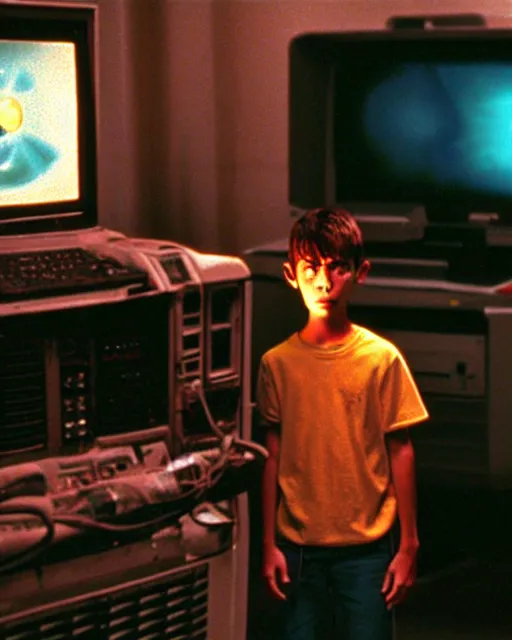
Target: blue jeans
<point>340,587</point>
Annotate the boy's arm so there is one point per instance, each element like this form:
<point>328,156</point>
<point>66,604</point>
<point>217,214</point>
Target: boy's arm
<point>403,478</point>
<point>402,407</point>
<point>269,489</point>
<point>275,570</point>
<point>401,573</point>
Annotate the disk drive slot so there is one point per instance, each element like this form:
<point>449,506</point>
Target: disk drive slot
<point>442,363</point>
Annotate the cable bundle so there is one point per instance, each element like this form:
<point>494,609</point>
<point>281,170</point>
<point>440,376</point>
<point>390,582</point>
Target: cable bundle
<point>135,502</point>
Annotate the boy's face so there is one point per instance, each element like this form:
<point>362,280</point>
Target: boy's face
<point>324,283</point>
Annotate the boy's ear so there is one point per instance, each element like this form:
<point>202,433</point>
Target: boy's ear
<point>289,275</point>
<point>362,272</point>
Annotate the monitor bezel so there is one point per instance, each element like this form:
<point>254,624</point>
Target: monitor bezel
<point>62,24</point>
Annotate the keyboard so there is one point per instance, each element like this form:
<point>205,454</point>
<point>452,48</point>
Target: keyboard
<point>40,274</point>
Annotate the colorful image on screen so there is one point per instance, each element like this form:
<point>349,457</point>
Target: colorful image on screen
<point>446,124</point>
<point>38,123</point>
<point>424,121</point>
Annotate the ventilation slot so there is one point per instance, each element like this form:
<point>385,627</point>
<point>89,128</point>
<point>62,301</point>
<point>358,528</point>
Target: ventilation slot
<point>175,608</point>
<point>22,395</point>
<point>191,332</point>
<point>192,307</point>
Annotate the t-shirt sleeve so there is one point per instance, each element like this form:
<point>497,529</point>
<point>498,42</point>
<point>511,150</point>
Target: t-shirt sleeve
<point>267,396</point>
<point>401,402</point>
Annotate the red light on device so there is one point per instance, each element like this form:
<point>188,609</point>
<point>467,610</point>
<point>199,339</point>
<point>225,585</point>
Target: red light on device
<point>505,289</point>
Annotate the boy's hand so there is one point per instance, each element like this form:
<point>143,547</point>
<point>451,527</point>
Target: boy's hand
<point>400,576</point>
<point>275,570</point>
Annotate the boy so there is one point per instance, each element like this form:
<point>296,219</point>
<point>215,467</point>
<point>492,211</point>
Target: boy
<point>336,401</point>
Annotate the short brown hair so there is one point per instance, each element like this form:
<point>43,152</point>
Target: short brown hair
<point>329,233</point>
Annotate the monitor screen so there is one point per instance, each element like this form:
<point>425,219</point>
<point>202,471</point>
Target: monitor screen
<point>38,123</point>
<point>425,120</point>
<point>47,119</point>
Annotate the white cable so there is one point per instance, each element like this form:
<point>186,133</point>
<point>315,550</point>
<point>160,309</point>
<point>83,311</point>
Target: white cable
<point>197,387</point>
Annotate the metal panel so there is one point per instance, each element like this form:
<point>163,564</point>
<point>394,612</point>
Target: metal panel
<point>442,363</point>
<point>499,361</point>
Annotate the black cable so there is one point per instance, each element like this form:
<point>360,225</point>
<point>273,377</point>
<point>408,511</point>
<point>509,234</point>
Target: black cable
<point>200,490</point>
<point>85,522</point>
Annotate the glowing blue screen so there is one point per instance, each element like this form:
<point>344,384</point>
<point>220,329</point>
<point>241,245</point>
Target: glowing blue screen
<point>425,130</point>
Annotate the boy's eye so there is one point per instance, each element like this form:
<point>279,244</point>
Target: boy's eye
<point>310,270</point>
<point>336,266</point>
<point>339,265</point>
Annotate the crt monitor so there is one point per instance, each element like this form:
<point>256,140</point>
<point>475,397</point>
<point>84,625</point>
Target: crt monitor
<point>408,117</point>
<point>47,119</point>
<point>425,120</point>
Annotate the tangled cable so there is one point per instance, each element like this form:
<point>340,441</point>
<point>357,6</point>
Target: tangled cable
<point>198,477</point>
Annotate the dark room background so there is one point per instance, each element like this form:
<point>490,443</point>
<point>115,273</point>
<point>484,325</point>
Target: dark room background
<point>194,110</point>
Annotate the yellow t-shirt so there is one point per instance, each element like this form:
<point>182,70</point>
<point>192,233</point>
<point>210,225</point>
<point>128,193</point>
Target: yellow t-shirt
<point>334,407</point>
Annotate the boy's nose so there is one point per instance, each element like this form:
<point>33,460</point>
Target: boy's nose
<point>323,280</point>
